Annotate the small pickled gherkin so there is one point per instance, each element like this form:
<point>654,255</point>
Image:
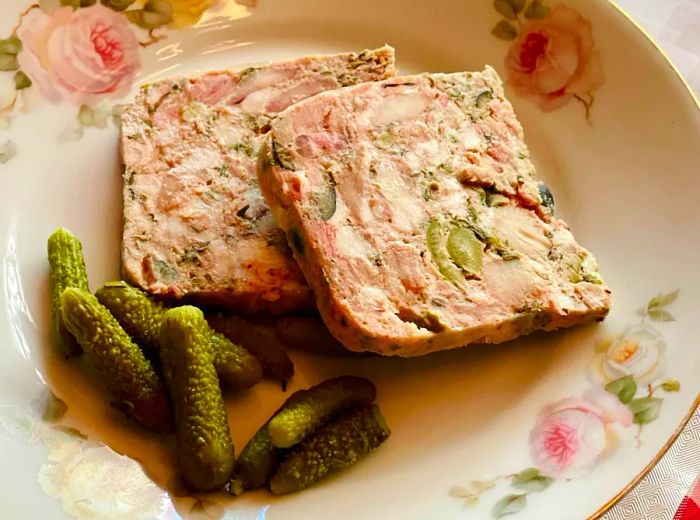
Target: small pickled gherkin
<point>237,368</point>
<point>302,413</point>
<point>306,410</point>
<point>263,343</point>
<point>123,368</point>
<point>67,269</point>
<point>141,317</point>
<point>256,463</point>
<point>332,448</point>
<point>204,445</point>
<point>310,334</point>
<point>135,311</point>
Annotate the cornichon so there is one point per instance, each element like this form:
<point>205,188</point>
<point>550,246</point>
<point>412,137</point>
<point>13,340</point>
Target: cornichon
<point>306,410</point>
<point>125,371</point>
<point>310,334</point>
<point>334,447</point>
<point>135,311</point>
<point>260,341</point>
<point>256,463</point>
<point>67,269</point>
<point>141,317</point>
<point>237,368</point>
<point>204,445</point>
<point>299,415</point>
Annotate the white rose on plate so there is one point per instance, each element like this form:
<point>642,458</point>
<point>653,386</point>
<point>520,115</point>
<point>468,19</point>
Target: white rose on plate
<point>637,352</point>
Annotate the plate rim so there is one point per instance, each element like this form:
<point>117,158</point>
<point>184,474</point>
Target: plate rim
<point>695,405</point>
<point>650,465</point>
<point>612,502</point>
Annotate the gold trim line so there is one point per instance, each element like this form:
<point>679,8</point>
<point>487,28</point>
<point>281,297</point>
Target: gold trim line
<point>620,494</point>
<point>610,503</point>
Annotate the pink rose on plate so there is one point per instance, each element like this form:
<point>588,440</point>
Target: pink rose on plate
<point>574,434</point>
<point>80,56</point>
<point>554,59</point>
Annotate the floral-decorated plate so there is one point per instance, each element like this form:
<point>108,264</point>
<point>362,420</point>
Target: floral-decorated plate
<point>554,425</point>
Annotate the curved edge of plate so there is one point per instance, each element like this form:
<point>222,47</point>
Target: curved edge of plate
<point>667,445</point>
<point>658,48</point>
<point>674,436</point>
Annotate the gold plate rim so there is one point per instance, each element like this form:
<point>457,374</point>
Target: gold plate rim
<point>674,436</point>
<point>658,48</point>
<point>667,445</point>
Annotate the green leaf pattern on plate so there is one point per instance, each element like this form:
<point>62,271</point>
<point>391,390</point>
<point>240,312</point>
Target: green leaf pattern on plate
<point>509,505</point>
<point>511,10</point>
<point>645,409</point>
<point>660,315</point>
<point>8,150</point>
<point>504,30</point>
<point>662,300</point>
<point>532,26</point>
<point>611,401</point>
<point>517,5</point>
<point>671,385</point>
<point>623,388</point>
<point>128,26</point>
<point>656,308</point>
<point>532,480</point>
<point>117,486</point>
<point>505,8</point>
<point>536,10</point>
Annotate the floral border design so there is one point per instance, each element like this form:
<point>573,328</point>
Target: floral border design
<point>84,52</point>
<point>572,436</point>
<point>553,58</point>
<point>82,473</point>
<point>93,481</point>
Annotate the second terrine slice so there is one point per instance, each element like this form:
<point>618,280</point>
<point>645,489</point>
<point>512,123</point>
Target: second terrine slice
<point>195,223</point>
<point>413,209</point>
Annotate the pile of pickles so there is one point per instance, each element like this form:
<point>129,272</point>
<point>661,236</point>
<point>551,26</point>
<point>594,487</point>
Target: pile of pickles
<point>165,368</point>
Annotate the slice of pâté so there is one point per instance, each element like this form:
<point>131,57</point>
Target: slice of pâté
<point>413,209</point>
<point>195,223</point>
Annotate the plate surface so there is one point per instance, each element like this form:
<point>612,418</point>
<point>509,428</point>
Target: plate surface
<point>612,130</point>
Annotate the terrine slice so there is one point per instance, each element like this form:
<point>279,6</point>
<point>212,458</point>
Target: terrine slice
<point>195,223</point>
<point>413,209</point>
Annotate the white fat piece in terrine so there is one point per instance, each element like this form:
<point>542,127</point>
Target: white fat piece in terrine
<point>413,209</point>
<point>195,223</point>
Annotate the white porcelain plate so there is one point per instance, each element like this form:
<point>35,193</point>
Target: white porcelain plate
<point>526,428</point>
